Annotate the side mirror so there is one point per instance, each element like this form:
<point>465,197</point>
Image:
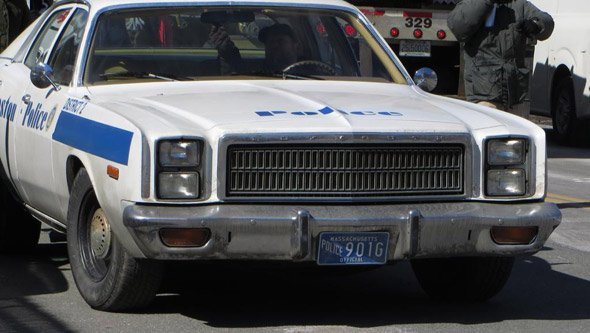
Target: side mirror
<point>42,76</point>
<point>426,78</point>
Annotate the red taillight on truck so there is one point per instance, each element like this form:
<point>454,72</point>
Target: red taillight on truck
<point>418,33</point>
<point>394,32</point>
<point>441,34</point>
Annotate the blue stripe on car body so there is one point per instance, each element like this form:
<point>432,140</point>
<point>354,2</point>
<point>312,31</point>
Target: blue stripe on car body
<point>98,139</point>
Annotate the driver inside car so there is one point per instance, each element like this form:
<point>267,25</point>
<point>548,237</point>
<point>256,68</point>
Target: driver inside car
<point>281,48</point>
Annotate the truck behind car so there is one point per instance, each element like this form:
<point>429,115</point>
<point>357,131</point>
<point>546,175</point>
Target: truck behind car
<point>417,31</point>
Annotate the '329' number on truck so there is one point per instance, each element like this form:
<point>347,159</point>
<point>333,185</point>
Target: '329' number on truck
<point>418,22</point>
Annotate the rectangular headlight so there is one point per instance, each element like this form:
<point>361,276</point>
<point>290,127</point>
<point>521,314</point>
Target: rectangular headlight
<point>178,185</point>
<point>504,183</point>
<point>179,154</point>
<point>506,152</point>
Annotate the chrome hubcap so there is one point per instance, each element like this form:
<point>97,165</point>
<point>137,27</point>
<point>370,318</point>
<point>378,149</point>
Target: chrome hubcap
<point>100,234</point>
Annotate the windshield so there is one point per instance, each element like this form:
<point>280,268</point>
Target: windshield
<point>214,43</point>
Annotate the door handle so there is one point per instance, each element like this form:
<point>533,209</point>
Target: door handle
<point>27,99</point>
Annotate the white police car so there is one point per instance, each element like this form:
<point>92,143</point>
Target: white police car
<point>256,130</point>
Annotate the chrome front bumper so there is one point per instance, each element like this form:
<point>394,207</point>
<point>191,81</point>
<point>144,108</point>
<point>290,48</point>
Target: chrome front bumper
<point>290,232</point>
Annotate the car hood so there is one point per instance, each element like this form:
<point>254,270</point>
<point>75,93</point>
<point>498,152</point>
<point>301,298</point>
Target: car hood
<point>287,107</point>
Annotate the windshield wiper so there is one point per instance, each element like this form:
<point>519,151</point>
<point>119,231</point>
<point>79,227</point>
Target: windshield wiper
<point>144,75</point>
<point>299,76</point>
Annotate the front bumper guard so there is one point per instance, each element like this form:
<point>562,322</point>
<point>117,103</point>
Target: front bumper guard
<point>290,232</point>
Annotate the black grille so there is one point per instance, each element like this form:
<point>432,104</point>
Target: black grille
<point>344,171</point>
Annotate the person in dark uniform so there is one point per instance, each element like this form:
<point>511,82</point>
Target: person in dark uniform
<point>14,18</point>
<point>3,25</point>
<point>38,7</point>
<point>19,17</point>
<point>494,36</point>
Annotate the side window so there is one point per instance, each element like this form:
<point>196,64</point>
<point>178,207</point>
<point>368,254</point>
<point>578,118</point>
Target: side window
<point>45,38</point>
<point>63,57</point>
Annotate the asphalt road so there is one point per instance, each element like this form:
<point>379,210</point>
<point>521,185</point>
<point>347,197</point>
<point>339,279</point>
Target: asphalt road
<point>548,292</point>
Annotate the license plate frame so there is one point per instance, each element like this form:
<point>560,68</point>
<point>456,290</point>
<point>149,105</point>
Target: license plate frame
<point>415,48</point>
<point>334,249</point>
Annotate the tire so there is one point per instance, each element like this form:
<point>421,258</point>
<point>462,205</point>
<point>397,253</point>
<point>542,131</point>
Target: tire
<point>107,277</point>
<point>19,231</point>
<point>569,128</point>
<point>463,279</point>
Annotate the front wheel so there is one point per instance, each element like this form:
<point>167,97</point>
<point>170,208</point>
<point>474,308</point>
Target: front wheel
<point>107,277</point>
<point>569,128</point>
<point>463,279</point>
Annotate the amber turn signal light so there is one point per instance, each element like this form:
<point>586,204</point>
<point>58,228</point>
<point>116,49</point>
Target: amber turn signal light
<point>514,235</point>
<point>113,172</point>
<point>196,237</point>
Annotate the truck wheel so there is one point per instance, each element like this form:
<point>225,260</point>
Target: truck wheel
<point>566,124</point>
<point>463,279</point>
<point>107,277</point>
<point>19,231</point>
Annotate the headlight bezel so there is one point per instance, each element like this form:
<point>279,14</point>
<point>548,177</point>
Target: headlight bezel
<point>525,164</point>
<point>199,169</point>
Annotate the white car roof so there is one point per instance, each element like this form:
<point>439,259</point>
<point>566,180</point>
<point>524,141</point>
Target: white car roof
<point>98,4</point>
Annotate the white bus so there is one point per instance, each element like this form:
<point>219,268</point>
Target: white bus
<point>560,86</point>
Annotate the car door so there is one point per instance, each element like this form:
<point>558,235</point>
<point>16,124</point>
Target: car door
<point>13,81</point>
<point>34,128</point>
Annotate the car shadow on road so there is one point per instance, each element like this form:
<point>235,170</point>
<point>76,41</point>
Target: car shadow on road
<point>24,276</point>
<point>258,296</point>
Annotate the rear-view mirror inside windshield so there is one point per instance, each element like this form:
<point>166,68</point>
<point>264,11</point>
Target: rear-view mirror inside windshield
<point>221,17</point>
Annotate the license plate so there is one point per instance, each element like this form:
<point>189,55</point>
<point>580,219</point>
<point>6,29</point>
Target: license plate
<point>414,48</point>
<point>353,248</point>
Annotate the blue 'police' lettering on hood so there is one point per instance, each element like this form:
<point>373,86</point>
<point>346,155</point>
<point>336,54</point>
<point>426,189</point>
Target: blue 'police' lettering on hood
<point>327,111</point>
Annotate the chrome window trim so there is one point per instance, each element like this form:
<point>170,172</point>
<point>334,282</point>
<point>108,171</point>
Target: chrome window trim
<point>355,12</point>
<point>470,187</point>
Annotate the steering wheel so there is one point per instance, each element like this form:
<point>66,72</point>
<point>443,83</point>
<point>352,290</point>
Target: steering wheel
<point>310,67</point>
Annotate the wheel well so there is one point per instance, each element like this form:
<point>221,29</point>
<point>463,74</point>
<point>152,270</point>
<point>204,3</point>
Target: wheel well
<point>73,165</point>
<point>560,73</point>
